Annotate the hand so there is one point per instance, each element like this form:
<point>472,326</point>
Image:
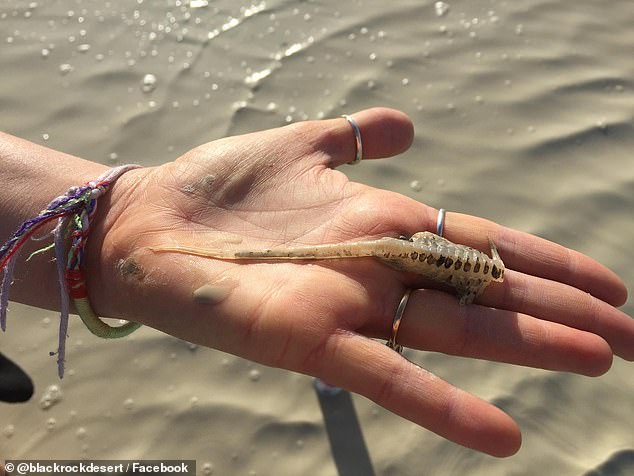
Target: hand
<point>280,187</point>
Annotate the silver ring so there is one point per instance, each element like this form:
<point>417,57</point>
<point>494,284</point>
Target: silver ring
<point>357,139</point>
<point>391,343</point>
<point>440,223</point>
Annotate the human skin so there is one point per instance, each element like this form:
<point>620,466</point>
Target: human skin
<point>556,309</point>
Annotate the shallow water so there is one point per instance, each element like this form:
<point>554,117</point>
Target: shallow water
<point>524,113</point>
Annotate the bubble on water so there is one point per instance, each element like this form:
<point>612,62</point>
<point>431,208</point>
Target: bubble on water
<point>65,68</point>
<point>46,322</point>
<point>128,404</point>
<point>194,402</point>
<point>46,137</point>
<point>50,424</point>
<point>405,81</point>
<point>83,48</point>
<point>99,57</point>
<point>8,431</point>
<point>442,8</point>
<point>81,433</point>
<point>254,375</point>
<point>208,468</point>
<point>148,84</point>
<point>198,3</point>
<point>415,185</point>
<point>45,52</point>
<point>372,56</point>
<point>191,346</point>
<point>52,396</point>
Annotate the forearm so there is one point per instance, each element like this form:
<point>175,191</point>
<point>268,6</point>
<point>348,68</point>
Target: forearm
<point>30,177</point>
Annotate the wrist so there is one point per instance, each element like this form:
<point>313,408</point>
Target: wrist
<point>31,176</point>
<point>108,246</point>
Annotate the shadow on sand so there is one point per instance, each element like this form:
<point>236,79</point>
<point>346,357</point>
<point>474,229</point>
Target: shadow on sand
<point>349,451</point>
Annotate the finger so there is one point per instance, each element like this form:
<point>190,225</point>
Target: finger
<point>539,257</point>
<point>521,251</point>
<point>557,302</point>
<point>371,369</point>
<point>435,321</point>
<point>384,133</point>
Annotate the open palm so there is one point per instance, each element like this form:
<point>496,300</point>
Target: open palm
<point>279,188</point>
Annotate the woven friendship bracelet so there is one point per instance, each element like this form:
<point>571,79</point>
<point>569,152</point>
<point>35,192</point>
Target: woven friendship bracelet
<point>74,212</point>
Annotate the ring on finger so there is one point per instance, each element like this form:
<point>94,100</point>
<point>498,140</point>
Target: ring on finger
<point>357,139</point>
<point>440,222</point>
<point>400,310</point>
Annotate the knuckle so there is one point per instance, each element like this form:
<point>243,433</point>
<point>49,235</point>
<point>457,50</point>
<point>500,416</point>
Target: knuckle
<point>386,392</point>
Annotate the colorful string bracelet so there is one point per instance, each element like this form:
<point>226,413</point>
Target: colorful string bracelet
<point>74,212</point>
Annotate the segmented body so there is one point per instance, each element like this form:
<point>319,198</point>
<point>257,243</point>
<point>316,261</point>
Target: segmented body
<point>466,269</point>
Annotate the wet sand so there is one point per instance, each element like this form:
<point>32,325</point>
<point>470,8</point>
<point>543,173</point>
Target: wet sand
<point>524,115</point>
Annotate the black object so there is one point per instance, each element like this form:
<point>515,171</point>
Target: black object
<point>348,447</point>
<point>15,385</point>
